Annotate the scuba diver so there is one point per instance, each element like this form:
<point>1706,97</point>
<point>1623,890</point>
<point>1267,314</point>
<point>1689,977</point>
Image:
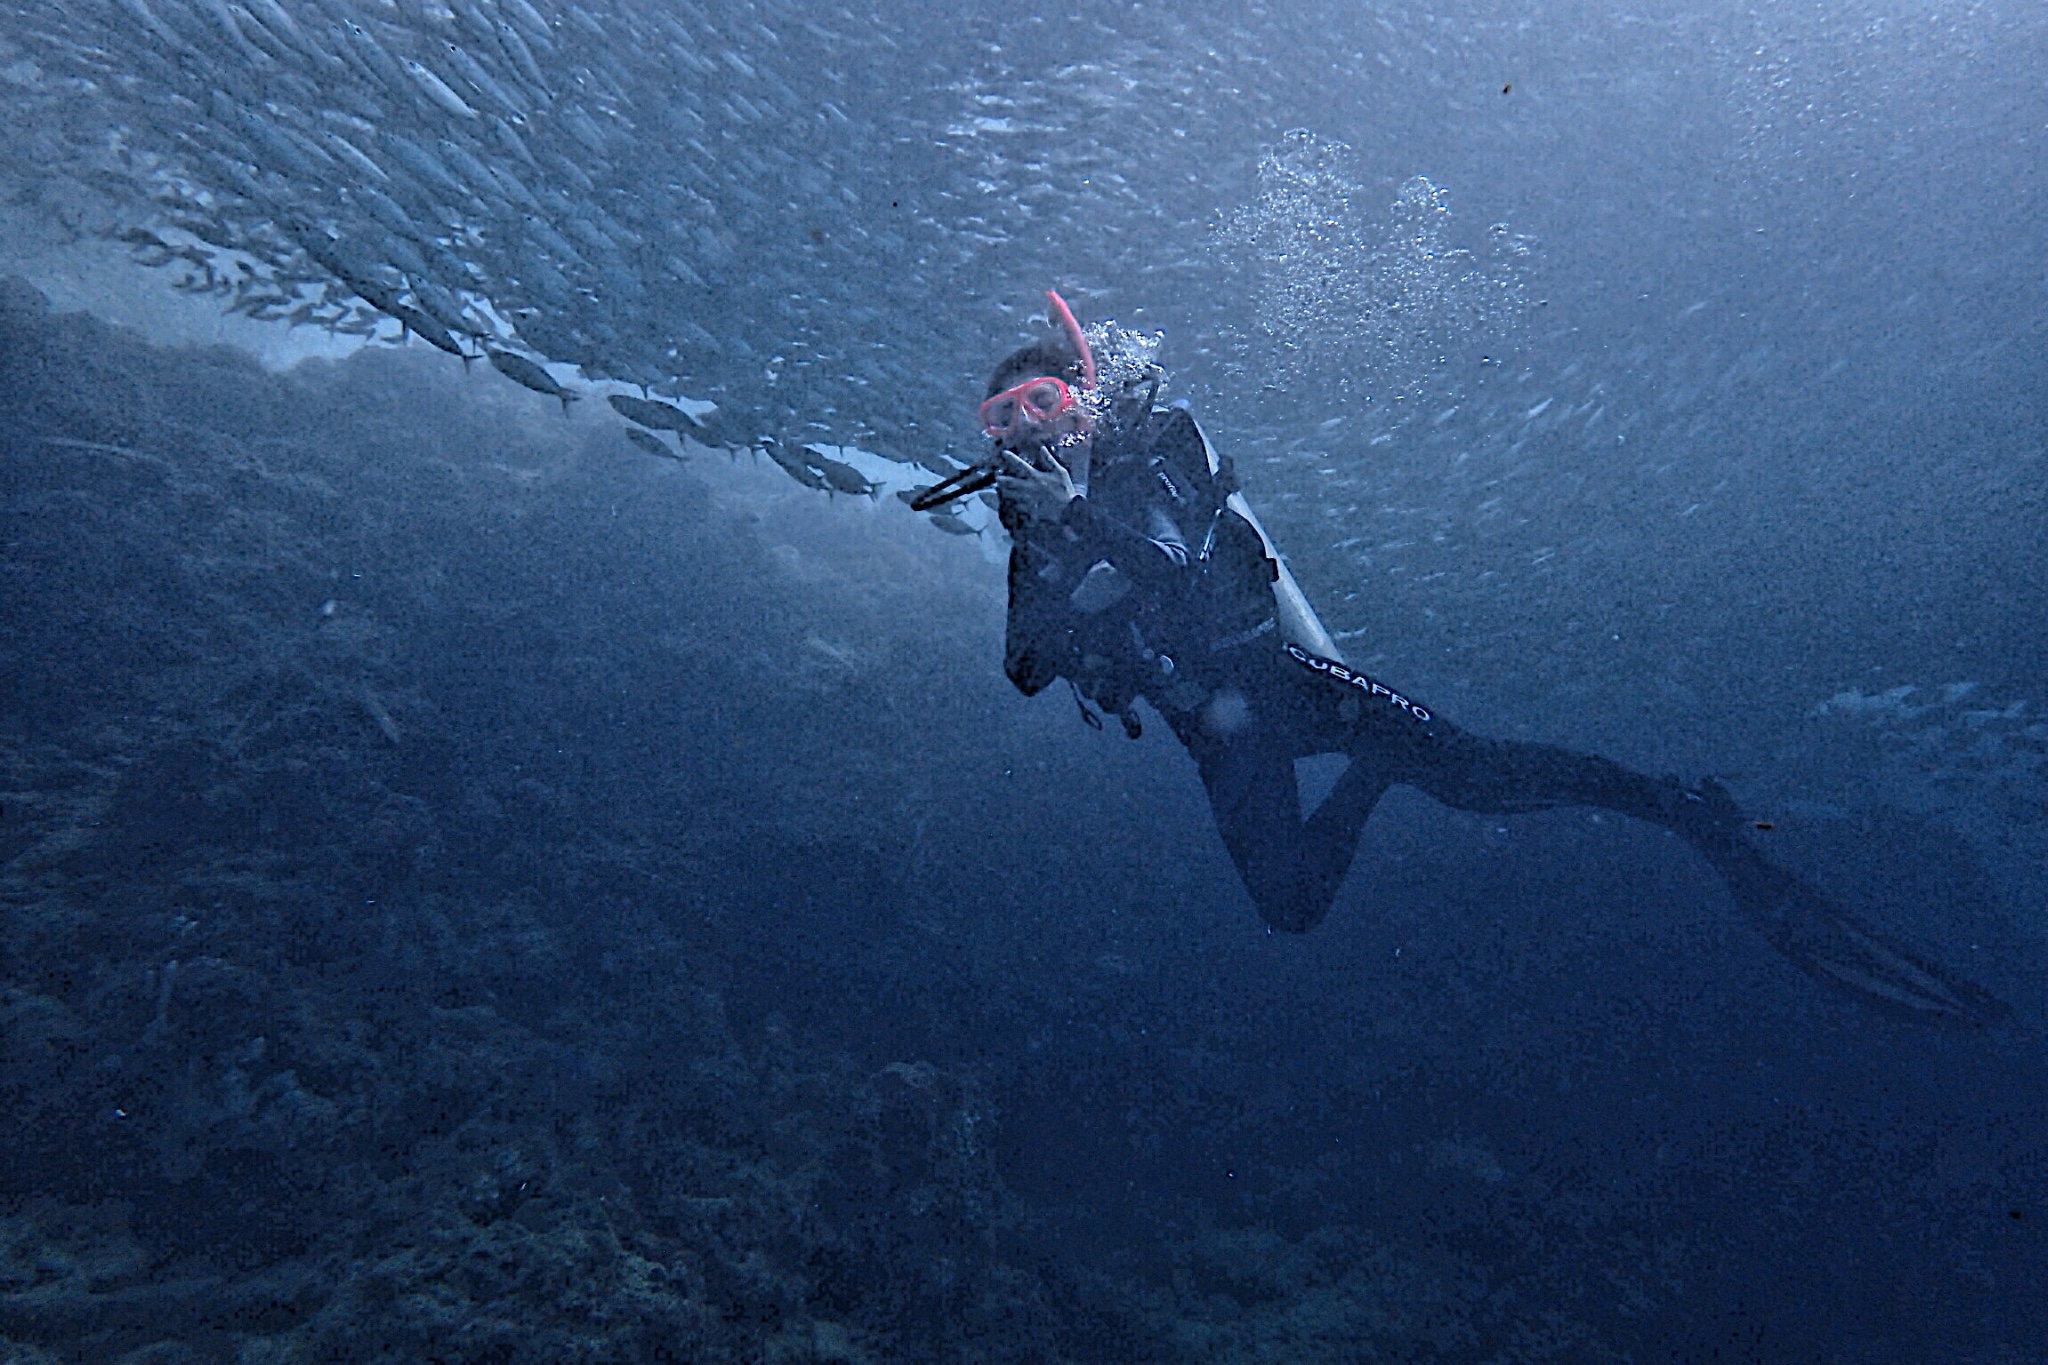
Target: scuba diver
<point>1137,569</point>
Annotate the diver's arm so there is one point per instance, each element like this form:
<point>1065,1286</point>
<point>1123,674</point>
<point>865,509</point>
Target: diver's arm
<point>1155,559</point>
<point>1031,496</point>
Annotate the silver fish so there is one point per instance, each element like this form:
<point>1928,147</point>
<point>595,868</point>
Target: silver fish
<point>428,330</point>
<point>843,477</point>
<point>478,78</point>
<point>438,90</point>
<point>794,465</point>
<point>527,373</point>
<point>952,523</point>
<point>651,443</point>
<point>648,413</point>
<point>355,158</point>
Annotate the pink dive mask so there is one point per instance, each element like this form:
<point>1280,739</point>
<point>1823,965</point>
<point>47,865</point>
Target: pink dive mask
<point>1023,407</point>
<point>1037,402</point>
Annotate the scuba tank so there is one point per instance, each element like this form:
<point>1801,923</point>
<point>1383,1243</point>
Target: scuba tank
<point>1209,483</point>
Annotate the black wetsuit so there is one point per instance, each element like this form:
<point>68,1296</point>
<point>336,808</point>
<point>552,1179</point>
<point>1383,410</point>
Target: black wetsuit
<point>1149,586</point>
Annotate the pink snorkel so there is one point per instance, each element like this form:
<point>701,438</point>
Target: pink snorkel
<point>1073,331</point>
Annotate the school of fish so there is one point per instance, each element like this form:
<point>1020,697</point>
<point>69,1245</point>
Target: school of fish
<point>674,206</point>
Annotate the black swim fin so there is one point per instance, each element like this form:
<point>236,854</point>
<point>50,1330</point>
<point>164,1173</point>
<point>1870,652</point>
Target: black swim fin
<point>1828,944</point>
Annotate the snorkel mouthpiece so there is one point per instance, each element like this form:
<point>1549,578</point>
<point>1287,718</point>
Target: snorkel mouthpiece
<point>1074,336</point>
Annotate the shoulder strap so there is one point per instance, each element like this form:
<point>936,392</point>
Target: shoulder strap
<point>1178,455</point>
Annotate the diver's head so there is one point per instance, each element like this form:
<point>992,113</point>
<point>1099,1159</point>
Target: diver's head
<point>1042,395</point>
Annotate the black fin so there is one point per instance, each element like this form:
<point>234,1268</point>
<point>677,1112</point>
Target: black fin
<point>1835,949</point>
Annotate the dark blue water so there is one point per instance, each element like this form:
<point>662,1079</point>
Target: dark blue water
<point>477,889</point>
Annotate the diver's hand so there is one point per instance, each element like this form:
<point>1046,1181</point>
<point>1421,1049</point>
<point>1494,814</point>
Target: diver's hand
<point>1032,494</point>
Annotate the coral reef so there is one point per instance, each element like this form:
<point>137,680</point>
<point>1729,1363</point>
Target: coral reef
<point>327,1034</point>
<point>471,891</point>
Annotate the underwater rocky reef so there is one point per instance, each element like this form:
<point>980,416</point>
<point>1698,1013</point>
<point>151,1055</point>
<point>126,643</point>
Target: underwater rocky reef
<point>367,994</point>
<point>331,1029</point>
<point>475,891</point>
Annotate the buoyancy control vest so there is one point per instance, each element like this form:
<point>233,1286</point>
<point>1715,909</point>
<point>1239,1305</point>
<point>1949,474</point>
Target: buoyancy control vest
<point>1160,641</point>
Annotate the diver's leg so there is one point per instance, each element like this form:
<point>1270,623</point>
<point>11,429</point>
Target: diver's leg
<point>1330,836</point>
<point>1325,708</point>
<point>1507,777</point>
<point>1821,938</point>
<point>1291,868</point>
